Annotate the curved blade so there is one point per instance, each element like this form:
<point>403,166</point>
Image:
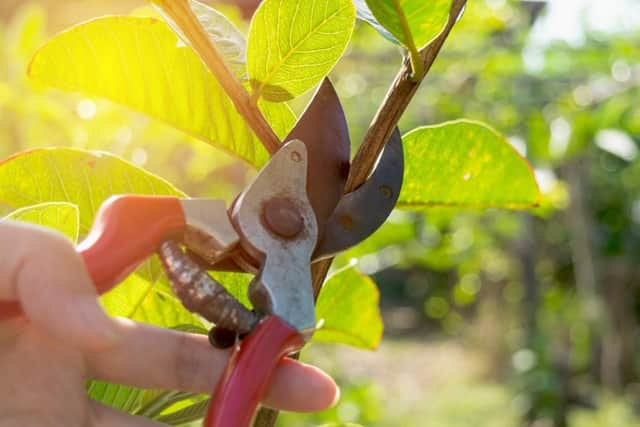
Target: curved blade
<point>323,129</point>
<point>363,211</point>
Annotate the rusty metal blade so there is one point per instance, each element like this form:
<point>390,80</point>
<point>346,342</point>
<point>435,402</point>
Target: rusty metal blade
<point>323,129</point>
<point>361,212</point>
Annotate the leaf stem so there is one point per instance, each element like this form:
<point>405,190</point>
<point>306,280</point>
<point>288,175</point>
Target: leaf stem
<point>181,13</point>
<point>395,103</point>
<point>414,55</point>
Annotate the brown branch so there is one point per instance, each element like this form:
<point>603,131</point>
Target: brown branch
<point>183,16</point>
<point>386,119</point>
<point>395,103</point>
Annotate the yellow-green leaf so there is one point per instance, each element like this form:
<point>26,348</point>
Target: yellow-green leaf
<point>464,164</point>
<point>141,63</point>
<point>348,308</point>
<point>413,22</point>
<point>60,216</point>
<point>294,44</point>
<point>83,178</point>
<point>229,41</point>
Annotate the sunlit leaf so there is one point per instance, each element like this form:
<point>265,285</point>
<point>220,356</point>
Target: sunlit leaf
<point>83,178</point>
<point>364,13</point>
<point>124,398</point>
<point>294,44</point>
<point>229,41</point>
<point>141,63</point>
<point>464,164</point>
<point>191,413</point>
<point>236,283</point>
<point>149,302</point>
<point>155,402</point>
<point>61,216</point>
<point>413,22</point>
<point>349,312</point>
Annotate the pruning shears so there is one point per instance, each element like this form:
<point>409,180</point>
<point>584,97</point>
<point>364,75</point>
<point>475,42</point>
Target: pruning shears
<point>293,214</point>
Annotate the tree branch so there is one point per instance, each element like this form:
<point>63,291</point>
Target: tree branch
<point>183,16</point>
<point>386,119</point>
<point>395,103</point>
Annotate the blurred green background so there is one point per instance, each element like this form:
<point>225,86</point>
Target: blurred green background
<point>492,318</point>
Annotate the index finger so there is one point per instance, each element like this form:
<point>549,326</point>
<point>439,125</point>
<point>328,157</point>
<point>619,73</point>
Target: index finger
<point>152,357</point>
<point>43,272</point>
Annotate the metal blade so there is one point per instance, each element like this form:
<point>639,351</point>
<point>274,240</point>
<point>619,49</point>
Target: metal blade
<point>283,284</point>
<point>323,129</point>
<point>361,212</point>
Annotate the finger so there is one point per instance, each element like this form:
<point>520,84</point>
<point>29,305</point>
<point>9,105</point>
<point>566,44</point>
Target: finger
<point>299,387</point>
<point>151,357</point>
<point>42,270</point>
<point>104,416</point>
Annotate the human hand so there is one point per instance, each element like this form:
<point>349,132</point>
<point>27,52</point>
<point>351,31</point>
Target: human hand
<point>65,338</point>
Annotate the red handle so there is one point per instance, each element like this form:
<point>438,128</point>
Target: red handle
<point>248,374</point>
<point>126,230</point>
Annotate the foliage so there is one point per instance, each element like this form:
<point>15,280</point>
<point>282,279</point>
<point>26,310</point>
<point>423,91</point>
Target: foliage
<point>460,274</point>
<point>293,45</point>
<point>149,71</point>
<point>464,164</point>
<point>413,23</point>
<point>342,293</point>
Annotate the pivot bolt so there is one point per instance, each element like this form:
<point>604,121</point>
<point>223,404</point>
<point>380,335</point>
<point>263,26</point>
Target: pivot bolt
<point>283,218</point>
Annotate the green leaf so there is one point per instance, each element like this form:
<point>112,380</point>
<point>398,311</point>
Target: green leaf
<point>464,164</point>
<point>229,41</point>
<point>191,413</point>
<point>61,216</point>
<point>348,308</point>
<point>236,283</point>
<point>126,399</point>
<point>82,178</point>
<point>148,301</point>
<point>141,63</point>
<point>155,402</point>
<point>413,22</point>
<point>294,44</point>
<point>364,14</point>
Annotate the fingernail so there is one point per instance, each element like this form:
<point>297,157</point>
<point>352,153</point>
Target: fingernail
<point>336,398</point>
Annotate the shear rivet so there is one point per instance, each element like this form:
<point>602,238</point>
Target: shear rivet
<point>346,222</point>
<point>386,191</point>
<point>282,217</point>
<point>296,157</point>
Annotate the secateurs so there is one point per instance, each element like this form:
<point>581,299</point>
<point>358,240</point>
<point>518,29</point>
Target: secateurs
<point>293,214</point>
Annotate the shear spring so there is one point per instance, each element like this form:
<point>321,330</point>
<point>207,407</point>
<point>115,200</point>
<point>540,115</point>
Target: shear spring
<point>201,294</point>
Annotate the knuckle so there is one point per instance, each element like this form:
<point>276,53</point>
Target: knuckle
<point>186,369</point>
<point>40,254</point>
